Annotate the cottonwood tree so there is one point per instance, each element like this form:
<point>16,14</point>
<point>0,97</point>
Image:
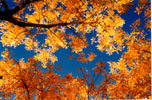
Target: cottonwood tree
<point>65,24</point>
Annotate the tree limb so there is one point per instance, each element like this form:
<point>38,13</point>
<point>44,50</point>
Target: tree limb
<point>24,24</point>
<point>24,84</point>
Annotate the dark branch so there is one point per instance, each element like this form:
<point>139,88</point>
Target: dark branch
<point>25,85</point>
<point>146,51</point>
<point>28,24</point>
<point>8,16</point>
<point>143,50</point>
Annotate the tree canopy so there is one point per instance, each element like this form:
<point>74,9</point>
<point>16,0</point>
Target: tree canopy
<point>81,26</point>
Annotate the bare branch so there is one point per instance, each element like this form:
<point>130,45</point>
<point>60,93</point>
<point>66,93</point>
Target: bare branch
<point>28,24</point>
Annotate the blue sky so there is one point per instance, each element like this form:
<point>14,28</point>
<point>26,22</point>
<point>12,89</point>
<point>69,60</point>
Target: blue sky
<point>69,66</point>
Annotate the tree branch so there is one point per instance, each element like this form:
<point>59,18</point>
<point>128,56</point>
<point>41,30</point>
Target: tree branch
<point>25,85</point>
<point>143,50</point>
<point>24,24</point>
<point>146,51</point>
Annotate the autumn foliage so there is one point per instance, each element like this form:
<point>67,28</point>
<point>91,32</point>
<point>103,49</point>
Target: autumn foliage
<point>46,26</point>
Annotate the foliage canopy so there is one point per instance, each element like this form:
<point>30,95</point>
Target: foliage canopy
<point>46,26</point>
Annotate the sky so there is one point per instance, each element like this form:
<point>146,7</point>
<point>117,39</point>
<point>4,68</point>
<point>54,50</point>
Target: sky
<point>69,66</point>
